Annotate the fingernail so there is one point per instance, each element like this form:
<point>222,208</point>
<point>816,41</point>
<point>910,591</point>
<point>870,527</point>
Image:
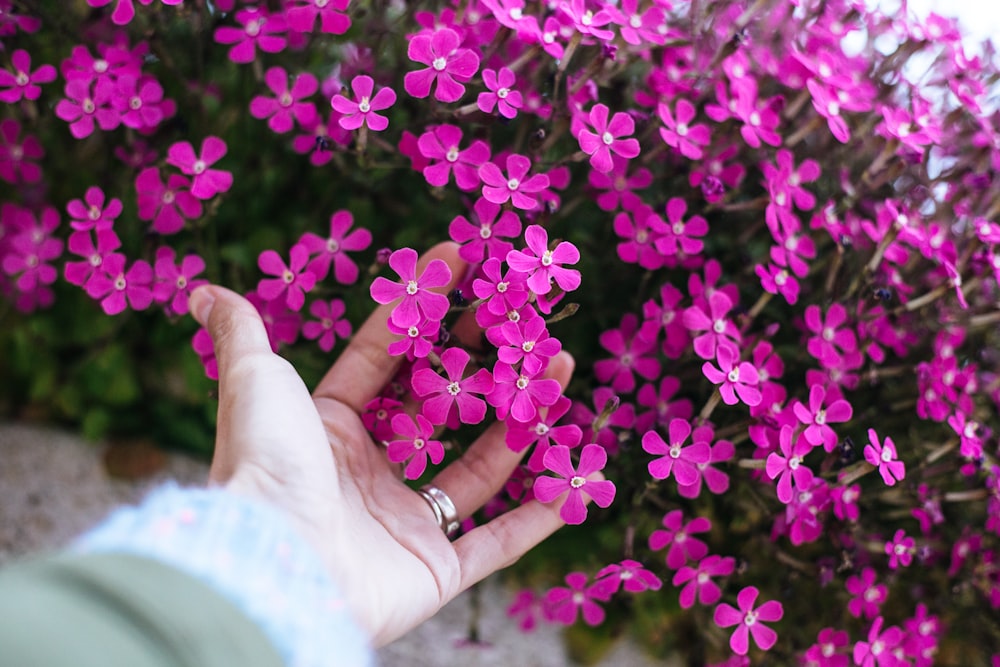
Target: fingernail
<point>201,303</point>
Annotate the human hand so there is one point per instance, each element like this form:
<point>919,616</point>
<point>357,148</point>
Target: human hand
<point>312,457</point>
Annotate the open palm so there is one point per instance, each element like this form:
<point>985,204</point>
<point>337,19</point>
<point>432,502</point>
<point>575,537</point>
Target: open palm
<point>312,457</point>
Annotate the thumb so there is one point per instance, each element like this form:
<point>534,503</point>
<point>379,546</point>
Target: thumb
<point>234,324</point>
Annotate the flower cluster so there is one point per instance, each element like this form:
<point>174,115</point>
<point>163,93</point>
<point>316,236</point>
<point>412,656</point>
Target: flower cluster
<point>774,256</point>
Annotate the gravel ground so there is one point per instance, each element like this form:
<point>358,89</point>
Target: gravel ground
<point>53,486</point>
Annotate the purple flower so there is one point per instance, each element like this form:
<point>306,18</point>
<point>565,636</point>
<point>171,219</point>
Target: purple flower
<point>679,236</point>
<point>630,575</point>
<point>884,458</point>
<point>330,323</point>
<point>718,330</point>
<point>442,396</point>
<point>817,418</point>
<point>607,138</point>
<point>447,64</point>
<point>500,94</point>
<point>293,279</point>
<point>543,432</point>
<point>378,415</point>
<point>286,107</point>
<point>868,596</point>
<point>206,182</point>
<point>748,621</point>
<point>632,354</point>
<point>82,108</point>
<point>82,245</point>
<point>16,156</point>
<point>527,342</point>
<point>900,550</point>
<point>504,292</point>
<point>361,111</point>
<point>514,187</point>
<point>878,650</point>
<point>91,212</point>
<point>418,301</point>
<point>676,458</point>
<point>545,266</point>
<point>574,481</point>
<point>414,445</point>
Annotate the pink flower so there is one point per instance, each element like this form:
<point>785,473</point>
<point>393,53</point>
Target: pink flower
<point>526,607</point>
<point>333,249</point>
<point>293,279</point>
<point>417,339</point>
<point>575,481</point>
<point>302,15</point>
<point>206,182</point>
<point>677,534</point>
<point>418,301</point>
<point>330,323</point>
<point>817,418</point>
<point>868,596</point>
<point>543,431</point>
<point>443,396</point>
<point>718,331</point>
<point>82,108</point>
<point>16,157</point>
<point>641,28</point>
<point>607,138</point>
<point>483,241</point>
<point>827,651</point>
<point>174,283</point>
<point>585,20</point>
<point>259,29</point>
<point>735,378</point>
<point>22,82</point>
<point>563,604</point>
<point>202,345</point>
<point>676,458</point>
<point>503,292</point>
<point>697,581</point>
<point>790,468</point>
<point>679,236</point>
<point>545,266</point>
<point>639,230</point>
<point>520,393</point>
<point>878,650</point>
<point>91,213</point>
<point>378,415</point>
<point>677,131</point>
<point>900,550</point>
<point>414,445</point>
<point>362,110</point>
<point>447,64</point>
<point>619,187</point>
<point>117,288</point>
<point>527,342</point>
<point>831,340</point>
<point>629,574</point>
<point>286,107</point>
<point>166,205</point>
<point>440,143</point>
<point>515,187</point>
<point>82,245</point>
<point>748,621</point>
<point>140,102</point>
<point>632,354</point>
<point>884,458</point>
<point>716,480</point>
<point>499,93</point>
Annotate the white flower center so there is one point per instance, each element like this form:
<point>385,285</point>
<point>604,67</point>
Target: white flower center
<point>95,260</point>
<point>718,326</point>
<point>452,154</point>
<point>827,334</point>
<point>485,231</point>
<point>682,129</point>
<point>577,481</point>
<point>181,282</point>
<point>820,417</point>
<point>88,106</point>
<point>755,119</point>
<point>635,21</point>
<point>100,65</point>
<point>253,28</point>
<point>678,229</point>
<point>516,13</point>
<point>528,345</point>
<point>120,283</point>
<point>21,79</point>
<point>502,287</point>
<point>794,462</point>
<point>541,428</point>
<point>411,287</point>
<point>607,138</point>
<point>833,108</point>
<point>199,167</point>
<point>587,18</point>
<point>332,246</point>
<point>522,382</point>
<point>886,455</point>
<point>454,389</point>
<point>547,258</point>
<point>502,93</point>
<point>513,184</point>
<point>286,99</point>
<point>364,106</point>
<point>675,451</point>
<point>418,443</point>
<point>734,375</point>
<point>413,331</point>
<point>439,63</point>
<point>288,277</point>
<point>750,618</point>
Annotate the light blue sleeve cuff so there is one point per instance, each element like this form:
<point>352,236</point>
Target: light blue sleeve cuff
<point>248,553</point>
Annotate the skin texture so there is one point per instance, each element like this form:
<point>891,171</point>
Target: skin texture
<point>311,457</point>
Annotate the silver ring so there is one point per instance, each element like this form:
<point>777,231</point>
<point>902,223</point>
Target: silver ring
<point>443,508</point>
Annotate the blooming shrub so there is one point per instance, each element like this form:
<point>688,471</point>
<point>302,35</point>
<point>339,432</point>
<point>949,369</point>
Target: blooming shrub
<point>767,231</point>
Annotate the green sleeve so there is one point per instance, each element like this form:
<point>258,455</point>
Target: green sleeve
<point>106,610</point>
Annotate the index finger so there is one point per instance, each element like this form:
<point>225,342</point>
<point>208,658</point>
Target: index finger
<point>366,366</point>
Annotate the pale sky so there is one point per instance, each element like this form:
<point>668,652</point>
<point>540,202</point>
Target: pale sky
<point>980,19</point>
